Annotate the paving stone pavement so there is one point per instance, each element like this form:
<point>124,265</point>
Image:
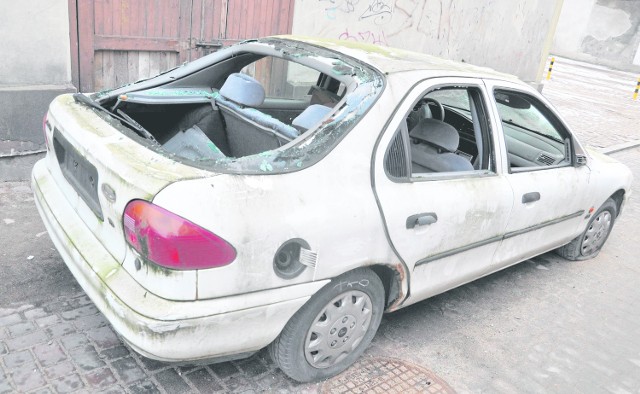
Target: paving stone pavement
<point>596,101</point>
<point>67,346</point>
<point>545,325</point>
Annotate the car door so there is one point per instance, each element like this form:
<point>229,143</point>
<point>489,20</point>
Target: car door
<point>549,185</point>
<point>445,225</point>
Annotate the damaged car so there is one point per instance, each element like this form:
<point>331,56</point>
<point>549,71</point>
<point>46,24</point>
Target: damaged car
<point>286,192</point>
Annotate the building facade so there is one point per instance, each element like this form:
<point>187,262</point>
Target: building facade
<point>600,31</point>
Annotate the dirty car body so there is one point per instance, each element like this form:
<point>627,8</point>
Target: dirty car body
<point>245,198</point>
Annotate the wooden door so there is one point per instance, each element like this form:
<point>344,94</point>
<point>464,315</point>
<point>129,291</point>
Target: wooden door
<point>121,41</point>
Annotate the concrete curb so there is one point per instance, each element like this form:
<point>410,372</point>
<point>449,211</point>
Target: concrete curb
<point>18,167</point>
<point>15,153</point>
<point>620,147</point>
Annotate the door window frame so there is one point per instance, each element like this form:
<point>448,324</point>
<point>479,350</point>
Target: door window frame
<point>417,92</point>
<point>548,111</point>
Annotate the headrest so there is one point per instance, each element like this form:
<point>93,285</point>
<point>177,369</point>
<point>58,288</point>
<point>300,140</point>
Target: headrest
<point>242,89</point>
<point>310,116</point>
<point>437,133</point>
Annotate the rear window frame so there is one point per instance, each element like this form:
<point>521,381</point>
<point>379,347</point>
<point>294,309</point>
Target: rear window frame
<point>365,84</point>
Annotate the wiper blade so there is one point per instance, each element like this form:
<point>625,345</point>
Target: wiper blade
<point>122,117</point>
<point>81,98</point>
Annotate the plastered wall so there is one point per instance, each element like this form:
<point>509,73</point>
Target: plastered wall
<point>512,36</point>
<point>600,31</point>
<point>35,67</point>
<point>35,42</point>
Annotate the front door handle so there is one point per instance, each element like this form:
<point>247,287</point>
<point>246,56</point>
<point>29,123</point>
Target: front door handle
<point>530,197</point>
<point>421,219</point>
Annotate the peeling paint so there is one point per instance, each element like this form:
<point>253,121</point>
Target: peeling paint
<point>113,304</point>
<point>400,283</point>
<point>164,328</point>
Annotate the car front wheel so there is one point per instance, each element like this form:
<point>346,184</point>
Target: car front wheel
<point>333,328</point>
<point>588,244</point>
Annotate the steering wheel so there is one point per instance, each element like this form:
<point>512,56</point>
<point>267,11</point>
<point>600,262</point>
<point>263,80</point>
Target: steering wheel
<point>431,102</point>
<point>422,110</point>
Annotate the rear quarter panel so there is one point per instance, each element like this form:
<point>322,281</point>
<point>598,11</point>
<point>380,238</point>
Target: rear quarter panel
<point>330,205</point>
<point>132,170</point>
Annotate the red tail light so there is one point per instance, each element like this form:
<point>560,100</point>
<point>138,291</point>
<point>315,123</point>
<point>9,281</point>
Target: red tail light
<point>171,241</point>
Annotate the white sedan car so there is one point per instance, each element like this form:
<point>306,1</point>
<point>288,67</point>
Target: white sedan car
<point>286,192</point>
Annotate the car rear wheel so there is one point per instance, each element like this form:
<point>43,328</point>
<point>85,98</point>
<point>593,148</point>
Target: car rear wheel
<point>333,328</point>
<point>588,244</point>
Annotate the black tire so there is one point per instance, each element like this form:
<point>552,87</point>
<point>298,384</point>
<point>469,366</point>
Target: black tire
<point>345,333</point>
<point>588,244</point>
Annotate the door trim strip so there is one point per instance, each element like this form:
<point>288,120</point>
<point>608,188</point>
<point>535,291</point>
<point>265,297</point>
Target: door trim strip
<point>543,224</point>
<point>497,238</point>
<point>461,249</point>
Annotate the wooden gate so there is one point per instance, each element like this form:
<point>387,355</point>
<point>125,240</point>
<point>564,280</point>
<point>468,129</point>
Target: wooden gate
<point>115,42</point>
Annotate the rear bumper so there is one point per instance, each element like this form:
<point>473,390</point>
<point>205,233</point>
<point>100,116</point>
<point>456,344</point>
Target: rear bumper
<point>156,327</point>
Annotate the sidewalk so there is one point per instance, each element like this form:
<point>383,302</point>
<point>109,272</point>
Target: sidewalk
<point>595,101</point>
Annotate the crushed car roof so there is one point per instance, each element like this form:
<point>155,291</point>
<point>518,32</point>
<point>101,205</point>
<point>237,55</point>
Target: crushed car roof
<point>394,60</point>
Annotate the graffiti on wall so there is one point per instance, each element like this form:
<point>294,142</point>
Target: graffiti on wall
<point>504,34</point>
<point>368,36</point>
<point>378,10</point>
<point>371,12</point>
<point>386,22</point>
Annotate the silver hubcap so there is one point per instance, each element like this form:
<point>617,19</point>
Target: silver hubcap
<point>338,329</point>
<point>596,233</point>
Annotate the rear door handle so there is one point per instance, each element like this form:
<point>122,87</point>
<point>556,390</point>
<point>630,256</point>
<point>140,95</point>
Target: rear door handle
<point>530,197</point>
<point>421,219</point>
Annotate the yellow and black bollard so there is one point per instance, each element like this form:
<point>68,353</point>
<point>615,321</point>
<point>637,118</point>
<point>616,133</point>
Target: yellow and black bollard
<point>553,59</point>
<point>635,93</point>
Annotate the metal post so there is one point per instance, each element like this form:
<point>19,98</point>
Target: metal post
<point>635,93</point>
<point>553,59</point>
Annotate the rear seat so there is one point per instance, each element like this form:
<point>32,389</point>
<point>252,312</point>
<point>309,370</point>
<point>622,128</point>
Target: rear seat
<point>310,117</point>
<point>249,131</point>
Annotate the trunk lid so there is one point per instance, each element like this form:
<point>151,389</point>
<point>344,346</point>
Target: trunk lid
<point>100,169</point>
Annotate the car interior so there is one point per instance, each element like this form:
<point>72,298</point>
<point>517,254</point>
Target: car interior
<point>260,104</point>
<point>447,131</point>
<point>534,137</point>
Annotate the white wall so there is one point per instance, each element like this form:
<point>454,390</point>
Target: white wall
<point>572,25</point>
<point>512,36</point>
<point>636,58</point>
<point>600,31</point>
<point>35,42</point>
<point>35,66</point>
